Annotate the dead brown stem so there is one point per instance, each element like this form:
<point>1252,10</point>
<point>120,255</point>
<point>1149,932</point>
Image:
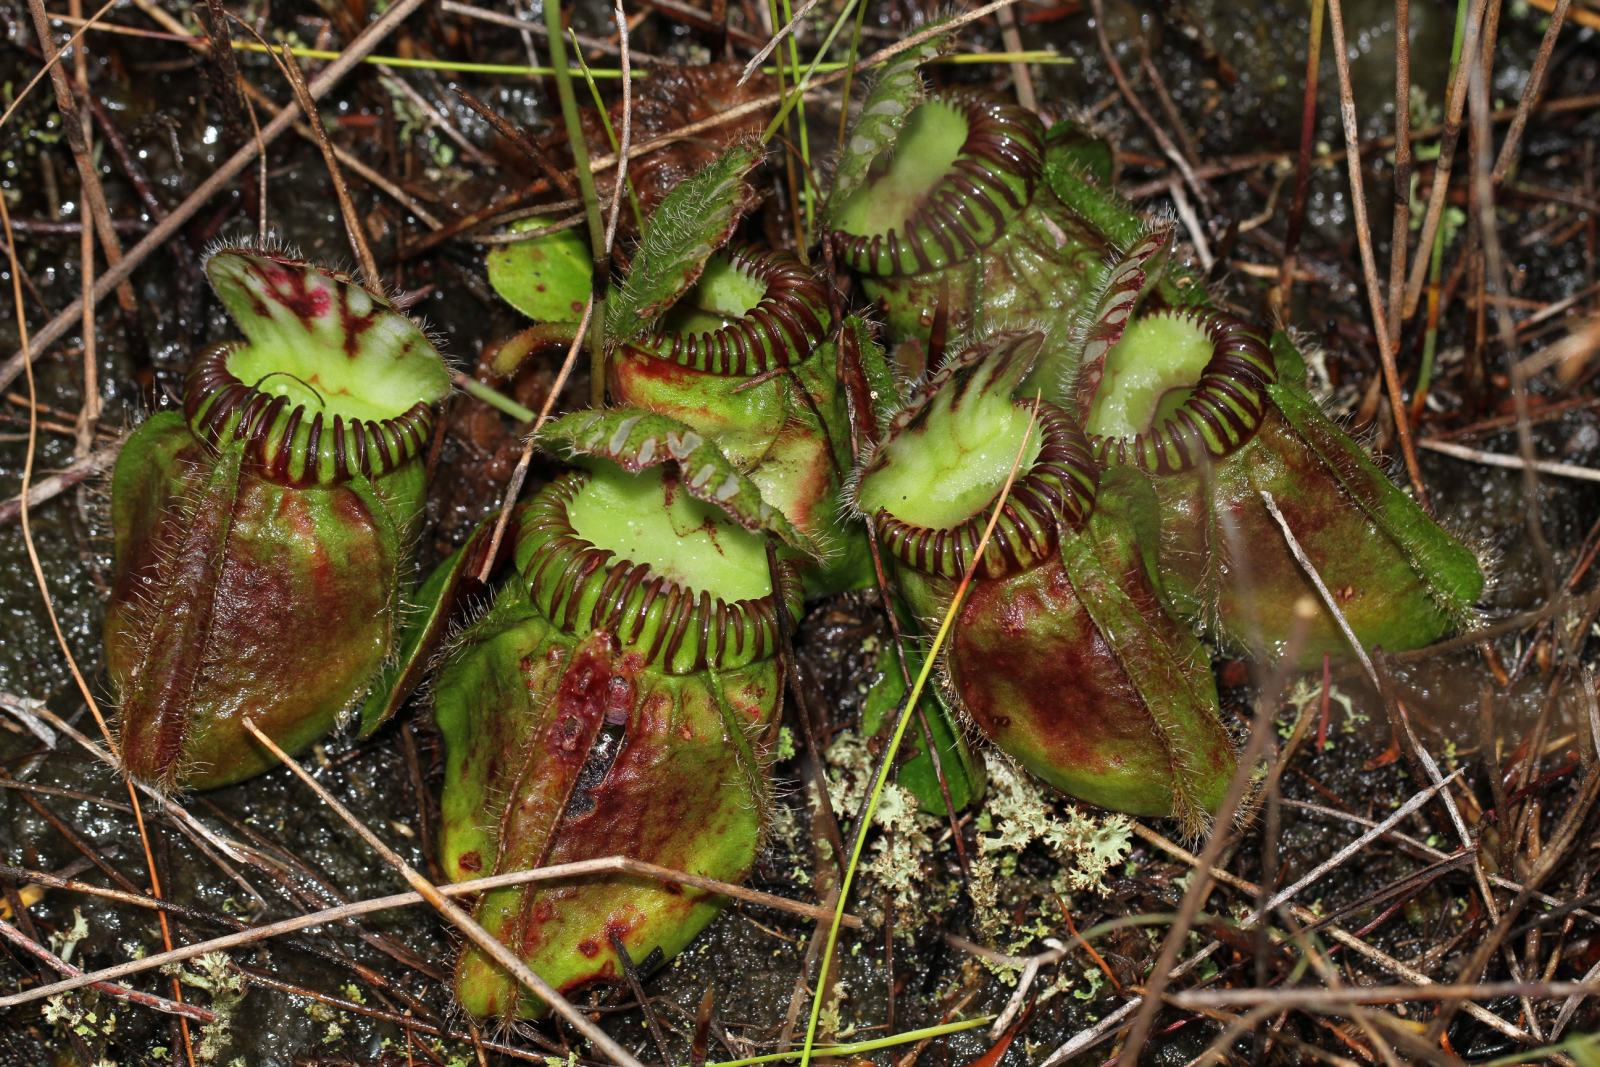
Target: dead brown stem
<point>1200,886</point>
<point>486,941</point>
<point>337,69</point>
<point>1203,191</point>
<point>540,158</point>
<point>1401,232</point>
<point>1470,48</point>
<point>1369,264</point>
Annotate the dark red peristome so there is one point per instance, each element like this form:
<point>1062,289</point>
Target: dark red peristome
<point>222,409</point>
<point>780,330</point>
<point>1004,145</point>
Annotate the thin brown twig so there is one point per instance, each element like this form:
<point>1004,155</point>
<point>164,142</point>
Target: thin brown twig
<point>261,175</point>
<point>1494,271</point>
<point>172,1007</point>
<point>1171,151</point>
<point>352,222</point>
<point>520,472</point>
<point>1369,264</point>
<point>44,592</point>
<point>89,415</point>
<point>1021,78</point>
<point>491,946</point>
<point>594,44</point>
<point>1384,994</point>
<point>1200,886</point>
<point>1327,597</point>
<point>436,118</point>
<point>1093,1035</point>
<point>631,973</point>
<point>828,820</point>
<point>1342,936</point>
<point>85,25</point>
<point>74,126</point>
<point>59,482</point>
<point>521,141</point>
<point>161,234</point>
<point>761,103</point>
<point>1401,232</point>
<point>1447,148</point>
<point>1530,92</point>
<point>624,138</point>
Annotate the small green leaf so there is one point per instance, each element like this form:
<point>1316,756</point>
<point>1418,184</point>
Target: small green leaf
<point>694,220</point>
<point>1071,145</point>
<point>897,89</point>
<point>546,278</point>
<point>964,773</point>
<point>636,440</point>
<point>442,603</point>
<point>1076,174</point>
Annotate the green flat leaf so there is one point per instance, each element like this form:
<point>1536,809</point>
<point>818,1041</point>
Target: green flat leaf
<point>1074,175</point>
<point>964,773</point>
<point>896,90</point>
<point>1449,567</point>
<point>1079,177</point>
<point>636,440</point>
<point>1069,144</point>
<point>444,600</point>
<point>694,220</point>
<point>546,278</point>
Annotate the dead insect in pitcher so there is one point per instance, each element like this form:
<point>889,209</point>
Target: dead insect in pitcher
<point>263,534</point>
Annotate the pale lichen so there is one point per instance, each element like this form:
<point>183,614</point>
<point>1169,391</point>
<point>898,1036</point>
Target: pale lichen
<point>898,857</point>
<point>1019,814</point>
<point>215,974</point>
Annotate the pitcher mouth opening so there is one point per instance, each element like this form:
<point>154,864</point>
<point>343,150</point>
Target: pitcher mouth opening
<point>1181,384</point>
<point>292,443</point>
<point>331,381</point>
<point>1056,490</point>
<point>961,169</point>
<point>751,311</point>
<point>672,580</point>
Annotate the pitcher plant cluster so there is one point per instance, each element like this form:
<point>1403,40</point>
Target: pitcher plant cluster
<point>1032,355</point>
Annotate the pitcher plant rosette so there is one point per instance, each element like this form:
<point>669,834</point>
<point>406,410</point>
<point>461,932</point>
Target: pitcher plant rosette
<point>617,699</point>
<point>730,340</point>
<point>948,205</point>
<point>1216,414</point>
<point>1062,652</point>
<point>262,535</point>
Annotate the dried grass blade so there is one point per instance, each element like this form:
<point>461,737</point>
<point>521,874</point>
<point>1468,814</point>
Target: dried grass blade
<point>452,911</point>
<point>161,234</point>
